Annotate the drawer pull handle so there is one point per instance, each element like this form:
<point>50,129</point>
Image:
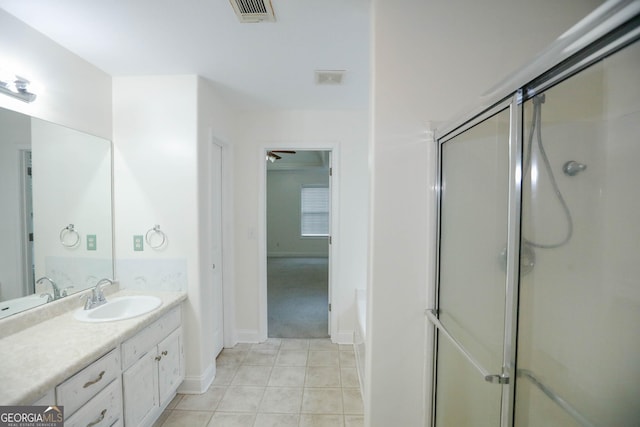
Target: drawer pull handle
<point>90,383</point>
<point>100,418</point>
<point>158,358</point>
<point>164,353</point>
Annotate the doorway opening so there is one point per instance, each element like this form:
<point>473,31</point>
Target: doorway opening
<point>298,216</point>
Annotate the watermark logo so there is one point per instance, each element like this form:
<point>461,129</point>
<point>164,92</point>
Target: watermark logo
<point>31,416</point>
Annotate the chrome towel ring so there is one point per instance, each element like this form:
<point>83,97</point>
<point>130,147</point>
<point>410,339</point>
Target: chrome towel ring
<point>155,237</point>
<point>69,237</point>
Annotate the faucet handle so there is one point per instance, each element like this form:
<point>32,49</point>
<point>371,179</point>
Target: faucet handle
<point>48,295</point>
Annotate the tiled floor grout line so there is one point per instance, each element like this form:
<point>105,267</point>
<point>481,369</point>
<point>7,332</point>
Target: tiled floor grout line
<point>237,359</point>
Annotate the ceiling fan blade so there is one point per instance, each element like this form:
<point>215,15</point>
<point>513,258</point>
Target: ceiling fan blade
<point>271,153</point>
<point>284,151</point>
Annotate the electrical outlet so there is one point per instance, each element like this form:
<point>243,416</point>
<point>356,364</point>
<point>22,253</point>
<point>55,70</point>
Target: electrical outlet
<point>138,244</point>
<point>92,243</point>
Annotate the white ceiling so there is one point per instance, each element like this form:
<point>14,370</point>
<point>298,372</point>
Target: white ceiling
<point>263,65</point>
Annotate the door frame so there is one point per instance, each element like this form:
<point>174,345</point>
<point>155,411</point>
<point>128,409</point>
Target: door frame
<point>333,148</point>
<point>26,220</point>
<point>228,290</point>
<point>217,185</point>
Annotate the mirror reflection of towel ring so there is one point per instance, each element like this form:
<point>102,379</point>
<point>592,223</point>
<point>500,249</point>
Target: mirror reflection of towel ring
<point>157,236</point>
<point>69,237</point>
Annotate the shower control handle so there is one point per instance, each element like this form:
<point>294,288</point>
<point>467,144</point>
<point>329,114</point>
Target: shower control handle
<point>572,168</point>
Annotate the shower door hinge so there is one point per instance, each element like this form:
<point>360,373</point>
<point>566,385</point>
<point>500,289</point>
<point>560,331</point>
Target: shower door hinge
<point>329,306</point>
<point>330,240</point>
<point>330,171</point>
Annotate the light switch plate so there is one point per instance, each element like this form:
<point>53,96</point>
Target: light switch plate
<point>138,243</point>
<point>92,243</point>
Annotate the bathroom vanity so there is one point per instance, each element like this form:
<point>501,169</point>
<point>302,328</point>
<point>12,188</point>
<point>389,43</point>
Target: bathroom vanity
<point>113,373</point>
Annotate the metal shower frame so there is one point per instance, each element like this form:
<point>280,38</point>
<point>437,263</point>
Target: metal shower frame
<point>611,27</point>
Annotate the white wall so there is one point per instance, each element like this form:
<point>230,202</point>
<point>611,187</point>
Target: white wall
<point>345,130</point>
<point>283,213</point>
<point>70,91</point>
<point>428,65</point>
<point>161,134</point>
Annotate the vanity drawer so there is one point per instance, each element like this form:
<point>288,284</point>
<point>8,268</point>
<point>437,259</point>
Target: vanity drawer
<point>46,400</point>
<point>104,410</point>
<point>80,388</point>
<point>134,348</point>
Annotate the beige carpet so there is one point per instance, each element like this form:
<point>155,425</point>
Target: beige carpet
<point>298,297</point>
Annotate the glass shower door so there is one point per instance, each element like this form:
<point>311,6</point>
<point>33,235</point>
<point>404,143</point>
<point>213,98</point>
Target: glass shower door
<point>579,310</point>
<point>539,233</point>
<point>471,295</point>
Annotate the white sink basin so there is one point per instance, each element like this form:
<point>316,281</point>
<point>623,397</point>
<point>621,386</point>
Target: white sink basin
<point>119,308</point>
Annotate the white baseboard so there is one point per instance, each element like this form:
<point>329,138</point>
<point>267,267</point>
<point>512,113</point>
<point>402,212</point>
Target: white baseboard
<point>248,336</point>
<point>198,384</point>
<point>343,337</point>
<point>297,255</point>
<point>252,336</point>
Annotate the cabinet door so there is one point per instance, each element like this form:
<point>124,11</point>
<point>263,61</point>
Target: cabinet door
<point>170,365</point>
<point>141,391</point>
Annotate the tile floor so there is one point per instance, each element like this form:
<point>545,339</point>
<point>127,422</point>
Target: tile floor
<point>278,383</point>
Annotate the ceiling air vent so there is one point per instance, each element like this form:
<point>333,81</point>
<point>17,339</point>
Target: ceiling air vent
<point>329,77</point>
<point>253,10</point>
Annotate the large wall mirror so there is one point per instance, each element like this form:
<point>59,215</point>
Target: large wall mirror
<point>56,215</point>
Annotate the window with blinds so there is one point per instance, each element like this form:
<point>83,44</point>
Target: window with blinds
<point>314,213</point>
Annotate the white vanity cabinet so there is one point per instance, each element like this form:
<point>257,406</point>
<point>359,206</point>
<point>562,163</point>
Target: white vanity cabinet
<point>47,399</point>
<point>93,396</point>
<point>153,368</point>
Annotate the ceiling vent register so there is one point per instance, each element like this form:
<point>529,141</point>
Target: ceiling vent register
<point>253,10</point>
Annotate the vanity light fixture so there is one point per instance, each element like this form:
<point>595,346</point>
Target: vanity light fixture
<point>16,87</point>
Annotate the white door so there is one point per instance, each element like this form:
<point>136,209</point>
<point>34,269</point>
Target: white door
<point>216,246</point>
<point>330,239</point>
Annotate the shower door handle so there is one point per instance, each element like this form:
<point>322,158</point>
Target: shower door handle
<point>488,376</point>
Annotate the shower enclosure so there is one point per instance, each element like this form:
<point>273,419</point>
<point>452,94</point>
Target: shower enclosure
<point>537,313</point>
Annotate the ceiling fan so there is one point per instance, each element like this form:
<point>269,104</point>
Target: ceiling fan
<point>272,156</point>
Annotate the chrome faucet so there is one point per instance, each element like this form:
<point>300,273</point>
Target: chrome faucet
<point>56,289</point>
<point>97,297</point>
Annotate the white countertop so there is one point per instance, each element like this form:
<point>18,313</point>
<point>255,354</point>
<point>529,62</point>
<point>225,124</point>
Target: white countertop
<point>36,359</point>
